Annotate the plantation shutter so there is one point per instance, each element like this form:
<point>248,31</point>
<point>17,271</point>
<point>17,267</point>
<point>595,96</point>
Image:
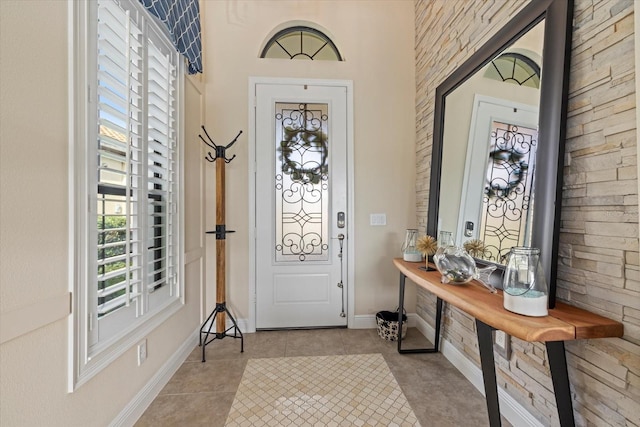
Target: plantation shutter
<point>161,102</point>
<point>119,100</point>
<point>136,100</point>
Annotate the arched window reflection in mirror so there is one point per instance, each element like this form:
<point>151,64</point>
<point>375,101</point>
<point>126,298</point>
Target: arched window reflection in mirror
<point>301,42</point>
<point>516,68</point>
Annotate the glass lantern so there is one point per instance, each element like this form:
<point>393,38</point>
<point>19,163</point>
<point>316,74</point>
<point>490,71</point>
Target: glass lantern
<point>409,251</point>
<point>524,285</point>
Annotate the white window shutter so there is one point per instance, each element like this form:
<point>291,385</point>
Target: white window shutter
<point>137,71</point>
<point>127,247</point>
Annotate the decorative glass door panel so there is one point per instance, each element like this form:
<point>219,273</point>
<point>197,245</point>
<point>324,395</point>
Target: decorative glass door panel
<point>301,182</point>
<point>508,190</point>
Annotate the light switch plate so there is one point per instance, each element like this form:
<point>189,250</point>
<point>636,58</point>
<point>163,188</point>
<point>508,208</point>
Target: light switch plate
<point>378,219</point>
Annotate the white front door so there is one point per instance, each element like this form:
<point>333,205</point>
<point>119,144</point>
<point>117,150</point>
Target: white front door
<point>301,205</point>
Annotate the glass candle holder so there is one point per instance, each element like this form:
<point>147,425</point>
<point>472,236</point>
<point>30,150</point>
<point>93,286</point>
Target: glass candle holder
<point>409,251</point>
<point>524,285</point>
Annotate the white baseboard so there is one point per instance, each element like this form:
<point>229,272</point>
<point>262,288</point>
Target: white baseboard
<point>513,411</point>
<point>136,407</point>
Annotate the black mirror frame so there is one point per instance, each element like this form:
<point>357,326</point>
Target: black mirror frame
<point>558,16</point>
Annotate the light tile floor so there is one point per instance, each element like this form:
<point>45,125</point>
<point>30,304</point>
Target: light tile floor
<point>337,390</point>
<point>201,394</point>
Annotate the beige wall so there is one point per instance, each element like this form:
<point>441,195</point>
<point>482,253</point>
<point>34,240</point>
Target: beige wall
<point>34,235</point>
<point>376,38</point>
<point>598,263</point>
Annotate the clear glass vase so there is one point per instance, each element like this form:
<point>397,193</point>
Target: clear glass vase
<point>409,251</point>
<point>524,285</point>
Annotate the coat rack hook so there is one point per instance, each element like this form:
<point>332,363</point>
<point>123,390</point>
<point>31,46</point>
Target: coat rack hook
<point>220,150</point>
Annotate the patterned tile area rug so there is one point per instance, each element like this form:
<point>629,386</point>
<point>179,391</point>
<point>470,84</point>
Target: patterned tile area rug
<point>351,390</point>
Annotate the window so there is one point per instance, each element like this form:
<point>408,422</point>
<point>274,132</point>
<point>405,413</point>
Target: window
<point>127,242</point>
<point>301,42</point>
<point>515,68</point>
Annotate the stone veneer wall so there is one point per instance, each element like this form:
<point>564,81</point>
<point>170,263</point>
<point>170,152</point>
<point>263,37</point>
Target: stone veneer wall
<point>599,261</point>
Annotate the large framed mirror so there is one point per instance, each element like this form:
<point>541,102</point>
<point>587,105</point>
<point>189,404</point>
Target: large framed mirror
<point>498,140</point>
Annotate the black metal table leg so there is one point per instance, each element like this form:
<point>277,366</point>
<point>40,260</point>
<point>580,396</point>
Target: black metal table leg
<point>485,345</point>
<point>560,378</point>
<point>435,347</point>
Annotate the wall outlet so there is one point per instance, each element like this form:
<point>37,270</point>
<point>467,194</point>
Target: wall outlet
<point>502,344</point>
<point>142,352</point>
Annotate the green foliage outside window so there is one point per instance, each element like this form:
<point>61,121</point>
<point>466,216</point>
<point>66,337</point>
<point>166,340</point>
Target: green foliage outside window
<point>112,235</point>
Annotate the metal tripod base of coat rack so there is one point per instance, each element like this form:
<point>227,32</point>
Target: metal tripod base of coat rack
<point>204,335</point>
<point>220,312</point>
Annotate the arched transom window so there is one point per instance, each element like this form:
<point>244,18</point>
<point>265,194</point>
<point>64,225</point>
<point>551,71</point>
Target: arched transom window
<point>513,67</point>
<point>301,42</point>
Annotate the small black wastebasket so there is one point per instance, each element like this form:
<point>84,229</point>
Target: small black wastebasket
<point>387,322</point>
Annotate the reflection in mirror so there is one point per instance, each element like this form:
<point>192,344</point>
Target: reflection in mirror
<point>488,152</point>
<point>541,223</point>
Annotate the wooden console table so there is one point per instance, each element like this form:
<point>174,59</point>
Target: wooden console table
<point>564,323</point>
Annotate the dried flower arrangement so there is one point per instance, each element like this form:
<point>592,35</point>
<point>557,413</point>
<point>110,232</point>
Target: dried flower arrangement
<point>474,247</point>
<point>427,245</point>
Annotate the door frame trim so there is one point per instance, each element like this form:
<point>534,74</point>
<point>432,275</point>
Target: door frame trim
<point>350,276</point>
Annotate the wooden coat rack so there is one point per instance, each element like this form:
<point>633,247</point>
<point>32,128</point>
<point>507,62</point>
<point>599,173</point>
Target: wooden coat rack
<point>220,312</point>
